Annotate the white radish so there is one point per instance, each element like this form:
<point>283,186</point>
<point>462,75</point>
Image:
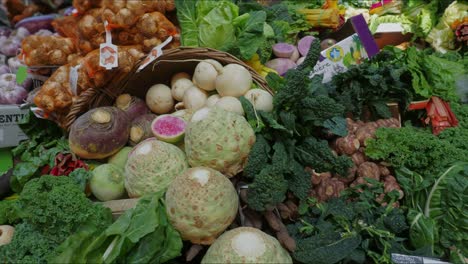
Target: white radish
<point>211,101</point>
<point>260,99</point>
<point>159,99</point>
<point>6,234</point>
<point>205,76</point>
<point>235,80</point>
<point>216,64</point>
<point>180,75</point>
<point>179,88</point>
<point>231,104</point>
<point>194,98</point>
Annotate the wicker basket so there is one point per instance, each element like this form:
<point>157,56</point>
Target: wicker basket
<point>182,59</point>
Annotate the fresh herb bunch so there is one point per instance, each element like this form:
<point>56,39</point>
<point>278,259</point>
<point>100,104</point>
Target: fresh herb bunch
<point>355,227</point>
<point>289,138</point>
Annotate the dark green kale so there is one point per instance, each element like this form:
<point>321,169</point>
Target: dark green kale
<point>51,209</point>
<point>267,189</point>
<point>354,227</point>
<point>286,137</point>
<point>374,83</point>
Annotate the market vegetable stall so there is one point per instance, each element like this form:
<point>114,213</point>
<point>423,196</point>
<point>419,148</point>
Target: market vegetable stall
<point>234,131</point>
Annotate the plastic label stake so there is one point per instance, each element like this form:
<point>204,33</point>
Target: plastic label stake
<point>108,52</point>
<point>73,79</point>
<point>154,54</point>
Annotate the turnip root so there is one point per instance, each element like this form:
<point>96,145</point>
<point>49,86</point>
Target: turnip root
<point>180,75</point>
<point>215,64</point>
<point>211,101</point>
<point>194,98</point>
<point>231,104</point>
<point>295,56</point>
<point>319,177</point>
<point>6,234</point>
<point>300,61</point>
<point>179,88</point>
<point>304,45</point>
<point>205,75</point>
<point>369,170</point>
<point>140,128</point>
<point>107,182</point>
<point>260,99</point>
<point>99,133</point>
<point>235,80</point>
<point>347,145</point>
<point>131,105</point>
<point>281,65</point>
<point>159,99</point>
<point>283,50</point>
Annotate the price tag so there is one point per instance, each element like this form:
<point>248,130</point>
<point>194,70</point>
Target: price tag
<point>108,56</point>
<point>73,79</point>
<point>154,54</point>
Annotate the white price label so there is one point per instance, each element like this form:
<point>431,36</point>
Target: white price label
<point>154,54</point>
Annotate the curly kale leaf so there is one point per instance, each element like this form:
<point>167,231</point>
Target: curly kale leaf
<point>57,207</point>
<point>28,246</point>
<point>326,248</point>
<point>317,154</point>
<point>258,157</point>
<point>268,189</point>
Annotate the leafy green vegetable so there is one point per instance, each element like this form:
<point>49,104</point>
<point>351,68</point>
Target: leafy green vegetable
<point>9,212</point>
<point>51,209</point>
<point>371,85</point>
<point>217,24</point>
<point>287,137</point>
<point>353,227</point>
<point>141,235</point>
<point>45,142</point>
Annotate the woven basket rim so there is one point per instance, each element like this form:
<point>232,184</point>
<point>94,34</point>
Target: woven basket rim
<point>91,97</point>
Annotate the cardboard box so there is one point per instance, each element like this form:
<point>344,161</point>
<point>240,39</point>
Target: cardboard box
<point>10,133</point>
<point>355,44</point>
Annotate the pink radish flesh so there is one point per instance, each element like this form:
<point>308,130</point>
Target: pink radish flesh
<point>304,45</point>
<point>167,126</point>
<point>283,50</point>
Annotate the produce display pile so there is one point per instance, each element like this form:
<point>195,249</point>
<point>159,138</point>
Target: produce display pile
<point>218,166</point>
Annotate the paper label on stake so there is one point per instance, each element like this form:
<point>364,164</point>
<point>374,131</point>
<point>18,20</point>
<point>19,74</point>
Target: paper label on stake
<point>154,54</point>
<point>73,79</point>
<point>108,56</point>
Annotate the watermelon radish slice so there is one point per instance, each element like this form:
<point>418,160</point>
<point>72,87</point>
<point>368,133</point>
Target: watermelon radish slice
<point>169,128</point>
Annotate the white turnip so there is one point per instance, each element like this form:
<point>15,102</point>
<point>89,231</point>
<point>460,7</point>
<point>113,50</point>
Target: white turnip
<point>180,75</point>
<point>194,98</point>
<point>231,104</point>
<point>211,101</point>
<point>205,75</point>
<point>260,99</point>
<point>159,99</point>
<point>235,80</point>
<point>179,88</point>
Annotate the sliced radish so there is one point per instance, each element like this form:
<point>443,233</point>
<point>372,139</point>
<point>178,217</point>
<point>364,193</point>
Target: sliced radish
<point>283,50</point>
<point>169,128</point>
<point>304,45</point>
